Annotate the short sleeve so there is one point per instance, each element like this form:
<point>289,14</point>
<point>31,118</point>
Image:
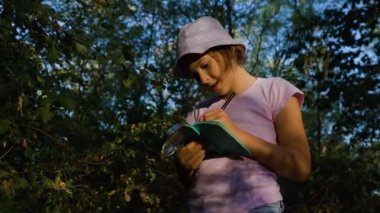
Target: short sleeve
<point>280,92</point>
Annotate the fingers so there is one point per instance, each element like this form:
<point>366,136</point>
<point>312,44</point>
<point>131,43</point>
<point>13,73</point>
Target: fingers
<point>191,155</point>
<point>222,117</point>
<point>213,115</point>
<point>196,160</point>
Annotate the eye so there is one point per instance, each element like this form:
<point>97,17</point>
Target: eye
<point>204,66</point>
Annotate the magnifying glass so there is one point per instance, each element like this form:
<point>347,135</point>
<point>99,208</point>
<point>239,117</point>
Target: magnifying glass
<point>176,139</point>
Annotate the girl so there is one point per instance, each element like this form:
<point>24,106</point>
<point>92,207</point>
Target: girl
<point>264,114</point>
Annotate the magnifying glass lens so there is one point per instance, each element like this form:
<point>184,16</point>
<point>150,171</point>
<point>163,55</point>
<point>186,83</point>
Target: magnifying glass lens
<point>174,141</point>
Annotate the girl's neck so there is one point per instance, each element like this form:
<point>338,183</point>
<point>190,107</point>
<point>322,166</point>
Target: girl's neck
<point>242,80</point>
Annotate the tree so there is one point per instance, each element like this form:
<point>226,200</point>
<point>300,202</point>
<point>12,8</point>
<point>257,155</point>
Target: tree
<point>338,51</point>
<point>87,94</point>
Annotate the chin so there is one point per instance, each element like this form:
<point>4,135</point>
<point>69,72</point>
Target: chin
<point>221,93</point>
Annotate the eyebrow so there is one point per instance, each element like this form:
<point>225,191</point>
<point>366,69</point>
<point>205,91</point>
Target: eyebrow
<point>197,63</point>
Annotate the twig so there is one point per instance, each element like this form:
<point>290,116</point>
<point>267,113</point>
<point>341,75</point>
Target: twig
<point>56,140</point>
<point>5,154</point>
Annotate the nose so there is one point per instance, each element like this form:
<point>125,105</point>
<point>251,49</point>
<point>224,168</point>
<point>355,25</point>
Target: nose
<point>203,78</point>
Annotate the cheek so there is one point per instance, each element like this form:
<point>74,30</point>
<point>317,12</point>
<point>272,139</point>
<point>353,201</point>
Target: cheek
<point>220,64</point>
<point>216,71</point>
<point>214,74</point>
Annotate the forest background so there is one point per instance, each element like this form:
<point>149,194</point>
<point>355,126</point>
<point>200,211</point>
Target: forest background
<point>86,96</point>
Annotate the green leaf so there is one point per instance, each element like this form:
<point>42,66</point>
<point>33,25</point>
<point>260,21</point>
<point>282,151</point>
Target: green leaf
<point>53,208</point>
<point>4,125</point>
<point>22,183</point>
<point>80,48</point>
<point>53,54</point>
<point>3,174</point>
<point>127,83</point>
<point>45,112</point>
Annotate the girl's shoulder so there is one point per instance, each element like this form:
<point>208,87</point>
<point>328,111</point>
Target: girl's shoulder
<point>278,91</point>
<point>275,84</point>
<point>273,80</point>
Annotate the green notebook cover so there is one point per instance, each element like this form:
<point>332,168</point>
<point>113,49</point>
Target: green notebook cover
<point>215,135</point>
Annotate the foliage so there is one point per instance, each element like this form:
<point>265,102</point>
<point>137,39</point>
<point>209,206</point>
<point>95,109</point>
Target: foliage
<point>338,51</point>
<point>86,96</point>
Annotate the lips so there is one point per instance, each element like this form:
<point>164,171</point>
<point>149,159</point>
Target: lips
<point>214,86</point>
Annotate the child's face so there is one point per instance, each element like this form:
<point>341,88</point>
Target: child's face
<point>209,72</point>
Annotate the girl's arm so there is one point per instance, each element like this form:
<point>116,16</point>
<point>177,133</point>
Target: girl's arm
<point>290,158</point>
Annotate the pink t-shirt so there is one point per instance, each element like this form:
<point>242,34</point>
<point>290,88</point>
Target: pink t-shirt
<point>238,184</point>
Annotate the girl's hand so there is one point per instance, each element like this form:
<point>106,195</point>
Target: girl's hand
<point>191,155</point>
<point>221,116</point>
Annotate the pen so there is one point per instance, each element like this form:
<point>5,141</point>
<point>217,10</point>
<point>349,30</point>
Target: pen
<point>229,98</point>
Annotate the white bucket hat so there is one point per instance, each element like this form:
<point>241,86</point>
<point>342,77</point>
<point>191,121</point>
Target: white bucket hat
<point>198,37</point>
